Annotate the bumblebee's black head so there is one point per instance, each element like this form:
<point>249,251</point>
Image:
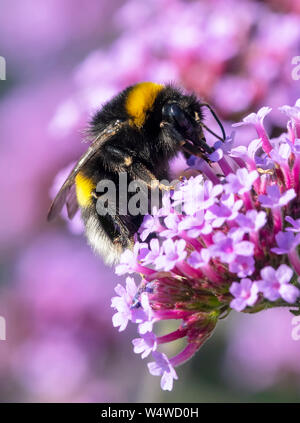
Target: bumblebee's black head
<point>171,116</point>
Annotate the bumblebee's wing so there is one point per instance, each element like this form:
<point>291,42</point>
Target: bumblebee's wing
<point>71,202</point>
<point>67,192</point>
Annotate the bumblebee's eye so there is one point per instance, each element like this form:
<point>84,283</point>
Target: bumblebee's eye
<point>174,114</point>
<point>185,125</point>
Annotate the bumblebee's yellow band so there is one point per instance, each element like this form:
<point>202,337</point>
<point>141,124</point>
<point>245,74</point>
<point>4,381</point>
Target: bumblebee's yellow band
<point>84,188</point>
<point>140,99</point>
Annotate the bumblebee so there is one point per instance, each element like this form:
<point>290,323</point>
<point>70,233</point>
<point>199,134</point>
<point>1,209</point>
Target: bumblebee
<point>137,133</point>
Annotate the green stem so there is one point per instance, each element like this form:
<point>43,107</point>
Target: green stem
<point>266,305</point>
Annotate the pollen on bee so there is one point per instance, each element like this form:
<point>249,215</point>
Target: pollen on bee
<point>128,161</point>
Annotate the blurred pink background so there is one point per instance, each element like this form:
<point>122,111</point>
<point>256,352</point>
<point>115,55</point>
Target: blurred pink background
<point>64,59</point>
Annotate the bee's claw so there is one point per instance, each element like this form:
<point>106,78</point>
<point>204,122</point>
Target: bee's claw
<point>94,195</point>
<point>166,187</point>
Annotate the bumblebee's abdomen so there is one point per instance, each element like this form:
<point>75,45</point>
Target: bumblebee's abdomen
<point>84,188</point>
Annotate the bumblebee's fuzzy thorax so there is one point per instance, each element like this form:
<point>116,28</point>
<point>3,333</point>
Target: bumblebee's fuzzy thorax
<point>140,100</point>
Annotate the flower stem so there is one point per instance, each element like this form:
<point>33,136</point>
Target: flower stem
<point>224,165</point>
<point>205,168</point>
<point>295,260</point>
<point>266,145</point>
<point>173,336</point>
<point>185,354</point>
<point>247,201</point>
<point>277,219</point>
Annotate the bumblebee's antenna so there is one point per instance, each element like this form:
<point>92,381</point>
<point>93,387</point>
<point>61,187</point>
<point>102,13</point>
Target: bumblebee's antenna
<point>217,120</point>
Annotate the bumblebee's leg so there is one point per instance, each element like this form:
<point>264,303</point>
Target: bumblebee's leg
<point>192,150</point>
<point>117,231</point>
<point>140,172</point>
<point>123,160</point>
<point>117,158</point>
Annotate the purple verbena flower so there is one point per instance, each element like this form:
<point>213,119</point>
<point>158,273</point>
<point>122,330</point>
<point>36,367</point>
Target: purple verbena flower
<point>227,210</point>
<point>255,118</point>
<point>198,259</point>
<point>243,266</point>
<point>245,293</point>
<point>174,252</point>
<point>195,225</point>
<point>162,367</point>
<point>240,182</point>
<point>145,345</point>
<point>292,112</point>
<point>146,319</point>
<point>286,242</point>
<point>151,223</point>
<point>276,199</point>
<point>227,247</point>
<point>123,303</point>
<point>171,222</point>
<point>275,284</point>
<point>252,220</point>
<point>129,259</point>
<point>295,224</point>
<point>153,253</point>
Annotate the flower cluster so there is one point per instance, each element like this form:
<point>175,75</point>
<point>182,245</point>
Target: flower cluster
<point>226,238</point>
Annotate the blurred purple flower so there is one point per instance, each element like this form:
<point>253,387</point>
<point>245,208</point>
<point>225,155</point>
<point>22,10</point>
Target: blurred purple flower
<point>275,199</point>
<point>286,242</point>
<point>252,220</point>
<point>295,224</point>
<point>260,352</point>
<point>171,222</point>
<point>195,225</point>
<point>52,367</point>
<point>255,118</point>
<point>275,284</point>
